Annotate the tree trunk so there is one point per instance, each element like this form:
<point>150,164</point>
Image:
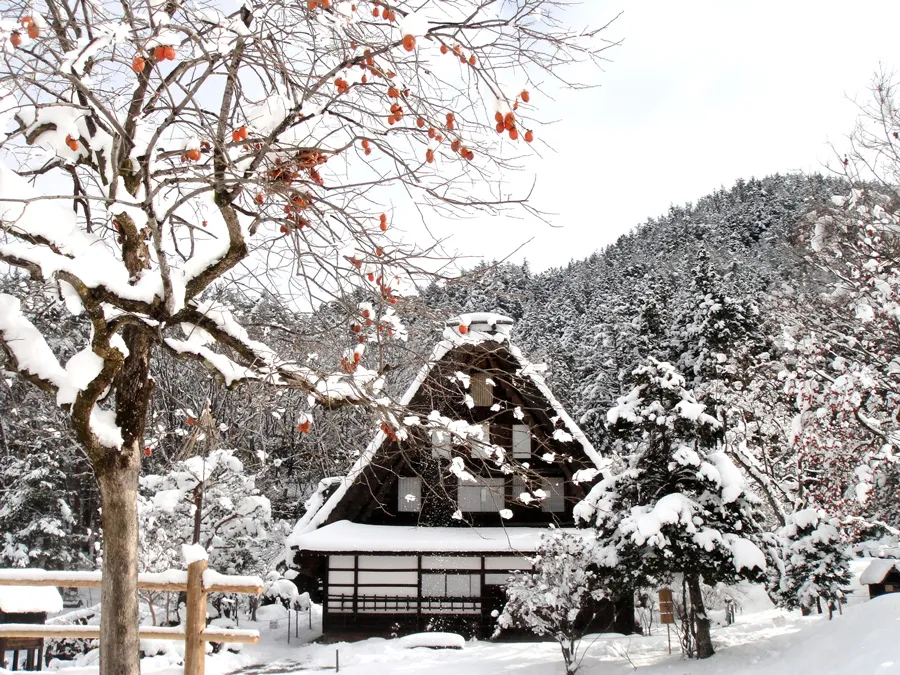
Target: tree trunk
<point>150,598</point>
<point>117,474</point>
<point>701,621</point>
<point>568,652</point>
<point>119,642</point>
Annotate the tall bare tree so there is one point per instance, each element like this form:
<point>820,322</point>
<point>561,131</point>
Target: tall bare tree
<point>158,147</point>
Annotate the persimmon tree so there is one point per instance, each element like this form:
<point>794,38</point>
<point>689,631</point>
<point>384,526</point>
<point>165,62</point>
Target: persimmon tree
<point>151,150</point>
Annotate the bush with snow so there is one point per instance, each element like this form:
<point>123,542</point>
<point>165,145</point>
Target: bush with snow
<point>557,597</point>
<point>815,560</point>
<point>234,520</point>
<point>211,501</point>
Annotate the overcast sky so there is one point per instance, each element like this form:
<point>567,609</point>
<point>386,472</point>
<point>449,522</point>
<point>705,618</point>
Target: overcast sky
<point>698,95</point>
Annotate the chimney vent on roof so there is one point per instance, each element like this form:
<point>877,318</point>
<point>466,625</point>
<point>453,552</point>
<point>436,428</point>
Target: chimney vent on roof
<point>480,326</point>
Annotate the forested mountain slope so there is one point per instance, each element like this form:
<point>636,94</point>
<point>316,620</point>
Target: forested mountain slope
<point>704,279</point>
<point>592,320</point>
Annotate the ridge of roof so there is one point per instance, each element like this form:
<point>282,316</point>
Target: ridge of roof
<point>877,570</point>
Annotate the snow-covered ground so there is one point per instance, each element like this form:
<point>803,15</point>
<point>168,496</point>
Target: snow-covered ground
<point>862,641</point>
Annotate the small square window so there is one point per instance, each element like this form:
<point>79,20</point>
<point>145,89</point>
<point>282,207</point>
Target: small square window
<point>519,486</point>
<point>521,441</point>
<point>441,444</point>
<point>484,495</point>
<point>555,501</point>
<point>434,585</point>
<point>409,494</point>
<point>481,387</point>
<point>481,448</point>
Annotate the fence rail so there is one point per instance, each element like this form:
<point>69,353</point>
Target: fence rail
<point>197,582</point>
<point>173,580</point>
<point>210,634</point>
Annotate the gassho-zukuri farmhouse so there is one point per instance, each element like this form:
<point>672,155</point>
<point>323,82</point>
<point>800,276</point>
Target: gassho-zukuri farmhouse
<point>423,532</point>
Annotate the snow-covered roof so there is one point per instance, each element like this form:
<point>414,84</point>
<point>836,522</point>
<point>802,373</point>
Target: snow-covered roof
<point>877,570</point>
<point>481,327</point>
<point>345,537</point>
<point>26,599</point>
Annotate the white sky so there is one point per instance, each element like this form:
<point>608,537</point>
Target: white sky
<point>698,95</point>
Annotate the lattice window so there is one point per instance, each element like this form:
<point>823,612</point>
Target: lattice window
<point>439,585</point>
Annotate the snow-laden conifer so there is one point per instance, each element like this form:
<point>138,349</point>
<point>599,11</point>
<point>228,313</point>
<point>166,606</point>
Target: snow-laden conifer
<point>675,503</point>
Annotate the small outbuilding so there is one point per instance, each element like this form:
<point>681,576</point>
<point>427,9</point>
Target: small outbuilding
<point>881,576</point>
<point>26,604</point>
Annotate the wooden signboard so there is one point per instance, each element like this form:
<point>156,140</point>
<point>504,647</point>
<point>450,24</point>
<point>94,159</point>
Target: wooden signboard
<point>666,606</point>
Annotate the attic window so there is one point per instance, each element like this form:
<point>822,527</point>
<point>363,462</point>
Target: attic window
<point>409,494</point>
<point>555,499</point>
<point>481,387</point>
<point>441,444</point>
<point>521,441</point>
<point>484,495</point>
<point>481,448</point>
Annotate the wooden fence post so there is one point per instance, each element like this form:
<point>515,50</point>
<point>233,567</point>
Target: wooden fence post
<point>195,622</point>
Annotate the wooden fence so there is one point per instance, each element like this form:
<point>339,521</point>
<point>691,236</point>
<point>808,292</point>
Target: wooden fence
<point>197,582</point>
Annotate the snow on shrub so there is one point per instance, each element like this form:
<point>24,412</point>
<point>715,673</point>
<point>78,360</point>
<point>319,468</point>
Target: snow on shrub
<point>555,598</point>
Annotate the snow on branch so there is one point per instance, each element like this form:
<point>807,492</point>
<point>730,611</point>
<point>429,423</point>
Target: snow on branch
<point>27,349</point>
<point>226,369</point>
<point>47,237</point>
<point>215,321</point>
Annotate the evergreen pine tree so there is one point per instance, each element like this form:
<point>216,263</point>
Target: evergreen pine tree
<point>678,505</point>
<point>37,520</point>
<point>816,564</point>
